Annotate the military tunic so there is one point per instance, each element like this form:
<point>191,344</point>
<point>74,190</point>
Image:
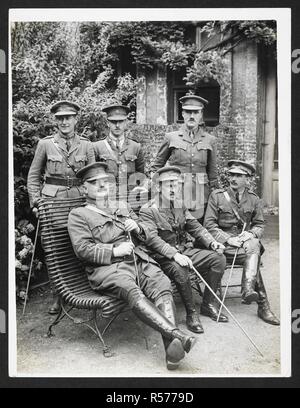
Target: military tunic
<point>50,159</point>
<point>197,159</point>
<point>222,223</point>
<point>169,231</point>
<point>94,233</point>
<point>123,164</point>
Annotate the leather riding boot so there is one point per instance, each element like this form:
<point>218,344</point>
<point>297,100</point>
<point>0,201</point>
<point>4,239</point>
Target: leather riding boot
<point>151,315</point>
<point>209,305</point>
<point>251,264</point>
<point>264,311</point>
<point>54,309</point>
<point>166,305</point>
<point>192,317</point>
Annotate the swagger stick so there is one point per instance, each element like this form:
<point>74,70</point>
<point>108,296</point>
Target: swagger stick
<point>134,257</point>
<point>227,310</point>
<point>31,266</point>
<point>135,262</point>
<point>230,276</point>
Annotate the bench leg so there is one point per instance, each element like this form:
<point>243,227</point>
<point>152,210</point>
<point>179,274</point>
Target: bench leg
<point>111,322</point>
<point>61,315</point>
<point>106,349</point>
<point>95,329</point>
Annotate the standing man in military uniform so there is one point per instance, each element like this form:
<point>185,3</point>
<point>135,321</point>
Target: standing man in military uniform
<point>58,158</point>
<point>194,151</point>
<point>168,225</point>
<point>235,218</point>
<point>101,236</point>
<point>123,156</point>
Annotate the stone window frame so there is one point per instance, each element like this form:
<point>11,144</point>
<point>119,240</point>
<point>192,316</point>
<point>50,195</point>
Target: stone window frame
<point>181,90</point>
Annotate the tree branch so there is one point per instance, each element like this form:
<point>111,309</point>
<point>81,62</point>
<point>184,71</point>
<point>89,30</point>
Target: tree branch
<point>234,46</point>
<point>221,43</point>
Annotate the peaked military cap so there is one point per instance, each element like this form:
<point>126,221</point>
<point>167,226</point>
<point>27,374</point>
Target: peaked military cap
<point>167,173</point>
<point>241,167</point>
<point>116,111</point>
<point>62,108</point>
<point>93,171</point>
<point>192,102</point>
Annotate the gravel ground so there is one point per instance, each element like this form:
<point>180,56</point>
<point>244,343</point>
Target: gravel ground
<point>222,351</point>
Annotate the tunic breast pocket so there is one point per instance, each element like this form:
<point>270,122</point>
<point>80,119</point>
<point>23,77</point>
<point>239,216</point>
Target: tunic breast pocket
<point>248,213</point>
<point>104,232</point>
<point>81,161</point>
<point>226,217</point>
<point>111,163</point>
<point>130,162</point>
<point>55,164</point>
<point>203,151</point>
<point>179,155</point>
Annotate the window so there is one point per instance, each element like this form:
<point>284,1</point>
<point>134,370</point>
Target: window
<point>177,89</point>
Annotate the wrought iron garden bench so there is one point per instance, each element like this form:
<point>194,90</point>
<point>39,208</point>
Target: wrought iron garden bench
<point>67,273</point>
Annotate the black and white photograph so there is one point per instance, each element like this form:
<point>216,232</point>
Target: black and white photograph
<point>150,193</point>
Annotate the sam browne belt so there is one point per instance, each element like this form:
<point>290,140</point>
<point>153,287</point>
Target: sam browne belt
<point>67,181</point>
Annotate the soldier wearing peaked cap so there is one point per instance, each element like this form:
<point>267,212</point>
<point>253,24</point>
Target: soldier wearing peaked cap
<point>58,158</point>
<point>123,156</point>
<point>99,234</point>
<point>235,218</point>
<point>194,151</point>
<point>169,224</point>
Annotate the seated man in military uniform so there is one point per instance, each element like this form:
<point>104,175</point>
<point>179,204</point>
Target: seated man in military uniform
<point>169,224</point>
<point>101,236</point>
<point>235,218</point>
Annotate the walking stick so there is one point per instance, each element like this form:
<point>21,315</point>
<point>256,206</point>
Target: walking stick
<point>227,310</point>
<point>31,266</point>
<point>230,276</point>
<point>135,262</point>
<point>134,257</point>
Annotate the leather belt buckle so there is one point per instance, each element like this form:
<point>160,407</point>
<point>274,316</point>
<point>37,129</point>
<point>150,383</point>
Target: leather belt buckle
<point>69,182</point>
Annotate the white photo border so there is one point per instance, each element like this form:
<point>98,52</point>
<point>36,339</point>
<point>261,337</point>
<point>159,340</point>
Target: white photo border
<point>283,18</point>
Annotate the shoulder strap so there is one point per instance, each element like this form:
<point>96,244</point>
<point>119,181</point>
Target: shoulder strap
<point>65,157</point>
<point>103,213</point>
<point>108,146</point>
<point>97,210</point>
<point>227,196</point>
